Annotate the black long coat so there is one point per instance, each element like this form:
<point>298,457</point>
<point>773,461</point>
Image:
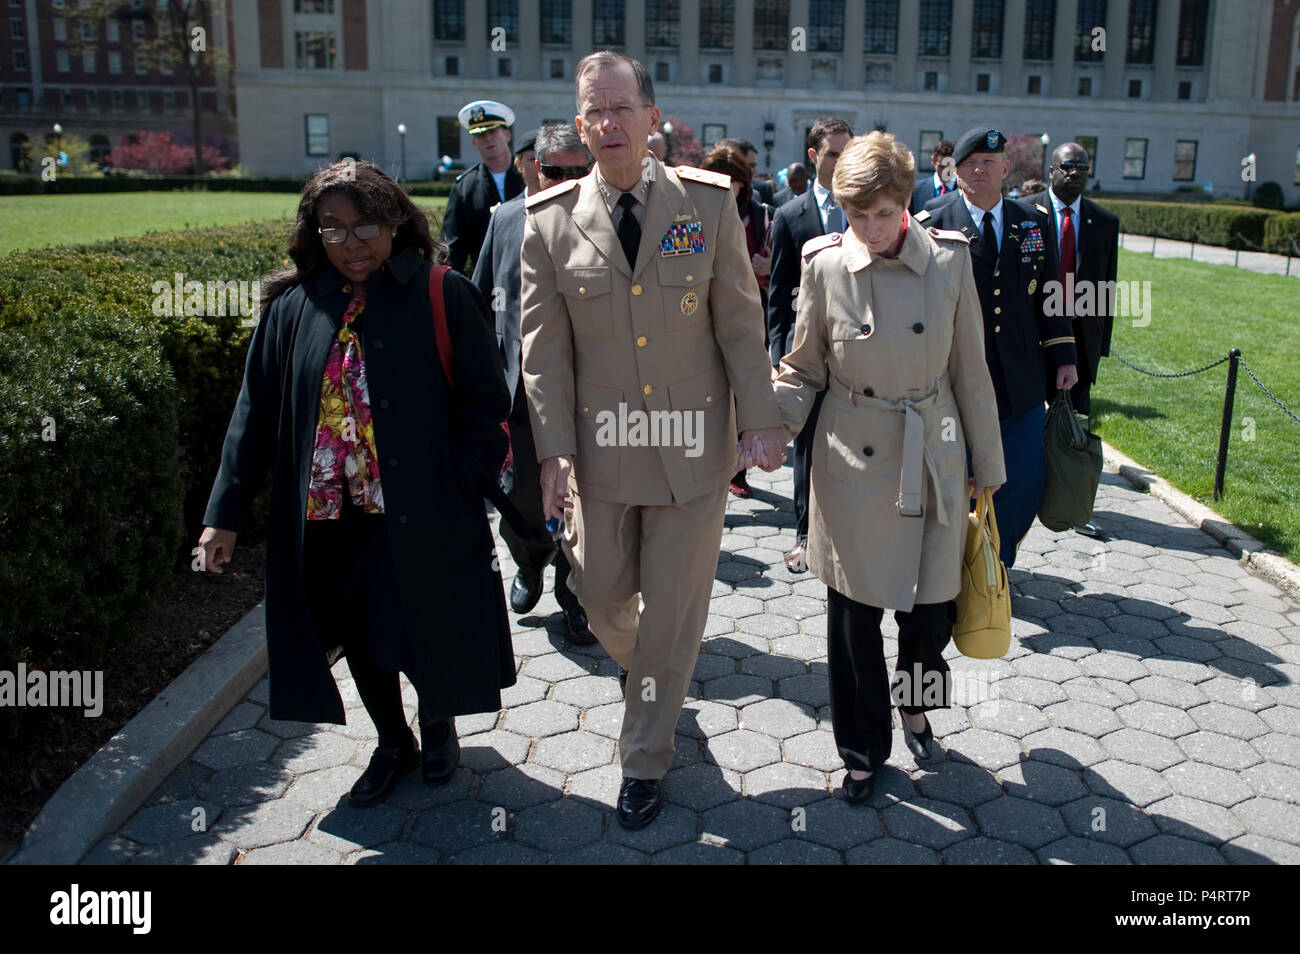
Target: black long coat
<point>435,455</point>
<point>469,208</point>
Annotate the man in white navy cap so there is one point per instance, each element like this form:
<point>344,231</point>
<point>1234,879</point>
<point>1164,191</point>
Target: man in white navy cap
<point>484,185</point>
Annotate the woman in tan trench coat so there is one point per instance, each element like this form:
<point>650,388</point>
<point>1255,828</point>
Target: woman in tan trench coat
<point>889,322</point>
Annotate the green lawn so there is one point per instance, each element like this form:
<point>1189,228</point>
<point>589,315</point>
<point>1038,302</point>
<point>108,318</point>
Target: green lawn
<point>1199,311</point>
<point>39,221</point>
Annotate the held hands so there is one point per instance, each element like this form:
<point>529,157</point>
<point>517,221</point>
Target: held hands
<point>1067,376</point>
<point>764,448</point>
<point>216,547</point>
<point>555,486</point>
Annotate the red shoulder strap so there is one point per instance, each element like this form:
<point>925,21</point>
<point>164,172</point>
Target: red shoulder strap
<point>442,334</point>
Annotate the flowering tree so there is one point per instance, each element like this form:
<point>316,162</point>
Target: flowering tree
<point>683,148</point>
<point>1026,156</point>
<point>155,152</point>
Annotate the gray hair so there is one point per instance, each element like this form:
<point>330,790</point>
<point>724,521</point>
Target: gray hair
<point>554,138</point>
<point>609,59</point>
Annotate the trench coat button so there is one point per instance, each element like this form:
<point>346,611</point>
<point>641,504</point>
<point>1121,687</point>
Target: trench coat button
<point>647,390</point>
<point>637,289</point>
<point>997,310</point>
<point>582,289</point>
<point>383,402</point>
<point>997,328</point>
<point>402,519</point>
<point>869,392</point>
<point>868,450</point>
<point>997,291</point>
<point>918,327</point>
<point>641,341</point>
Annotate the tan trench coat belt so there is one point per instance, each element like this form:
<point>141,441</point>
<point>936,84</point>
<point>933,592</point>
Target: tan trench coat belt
<point>911,499</point>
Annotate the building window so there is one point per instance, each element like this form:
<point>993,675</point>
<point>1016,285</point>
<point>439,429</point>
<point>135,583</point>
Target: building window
<point>317,127</point>
<point>1185,89</point>
<point>312,6</point>
<point>826,26</point>
<point>451,66</point>
<point>88,61</point>
<point>934,34</point>
<point>771,24</point>
<point>169,101</point>
<point>1092,14</point>
<point>60,29</point>
<point>115,62</point>
<point>929,139</point>
<point>1192,17</point>
<point>662,74</point>
<point>986,30</point>
<point>1135,158</point>
<point>20,60</point>
<point>117,99</point>
<point>449,21</point>
<point>505,66</point>
<point>711,133</point>
<point>982,82</point>
<point>1040,26</point>
<point>16,31</point>
<point>716,19</point>
<point>1034,85</point>
<point>61,62</point>
<point>88,31</point>
<point>1085,85</point>
<point>880,28</point>
<point>557,22</point>
<point>663,24</point>
<point>137,30</point>
<point>111,32</point>
<point>92,99</point>
<point>316,51</point>
<point>505,14</point>
<point>141,67</point>
<point>1141,31</point>
<point>557,69</point>
<point>607,23</point>
<point>1135,89</point>
<point>1089,143</point>
<point>715,72</point>
<point>449,136</point>
<point>1185,160</point>
<point>931,80</point>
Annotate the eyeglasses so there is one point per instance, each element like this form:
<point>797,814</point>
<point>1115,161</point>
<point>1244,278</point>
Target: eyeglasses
<point>622,114</point>
<point>336,235</point>
<point>560,173</point>
<point>1071,166</point>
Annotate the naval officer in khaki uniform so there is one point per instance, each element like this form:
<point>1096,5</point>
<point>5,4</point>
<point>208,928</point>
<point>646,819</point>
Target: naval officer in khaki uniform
<point>638,297</point>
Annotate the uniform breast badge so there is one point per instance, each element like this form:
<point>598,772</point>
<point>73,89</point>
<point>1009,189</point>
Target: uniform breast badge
<point>1032,239</point>
<point>686,238</point>
<point>689,303</point>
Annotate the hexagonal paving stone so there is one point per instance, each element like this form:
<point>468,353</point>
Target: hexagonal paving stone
<point>1172,850</point>
<point>701,786</point>
<point>1034,692</point>
<point>310,753</point>
<point>1107,819</point>
<point>493,750</point>
<point>785,785</point>
<point>201,849</point>
<point>1083,717</point>
<point>456,827</point>
<point>1082,851</point>
<point>991,750</point>
<point>562,825</point>
<point>810,688</point>
<point>1208,783</point>
<point>959,783</point>
<point>1253,849</point>
<point>573,751</point>
<point>600,853</point>
<point>700,853</point>
<point>268,824</point>
<point>1143,748</point>
<point>347,829</point>
<point>1041,782</point>
<point>702,719</point>
<point>525,689</point>
<point>796,607</point>
<point>743,750</point>
<point>606,720</point>
<point>1156,718</point>
<point>170,821</point>
<point>987,851</point>
<point>779,718</point>
<point>770,625</point>
<point>1170,692</point>
<point>1221,750</point>
<point>245,784</point>
<point>588,691</point>
<point>325,788</point>
<point>925,821</point>
<point>1280,782</point>
<point>1099,691</point>
<point>746,825</point>
<point>772,667</point>
<point>737,690</point>
<point>1010,718</point>
<point>1195,819</point>
<point>292,853</point>
<point>1125,782</point>
<point>735,607</point>
<point>672,827</point>
<point>500,853</point>
<point>815,750</point>
<point>892,851</point>
<point>235,748</point>
<point>554,667</point>
<point>1020,821</point>
<point>1113,665</point>
<point>793,851</point>
<point>1228,720</point>
<point>540,719</point>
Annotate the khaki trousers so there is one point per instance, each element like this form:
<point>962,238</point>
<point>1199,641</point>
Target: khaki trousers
<point>666,557</point>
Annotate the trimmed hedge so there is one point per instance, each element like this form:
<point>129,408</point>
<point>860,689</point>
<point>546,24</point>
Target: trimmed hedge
<point>90,486</point>
<point>1281,229</point>
<point>34,185</point>
<point>1207,224</point>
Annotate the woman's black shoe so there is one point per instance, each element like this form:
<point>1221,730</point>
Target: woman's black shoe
<point>858,789</point>
<point>387,766</point>
<point>441,750</point>
<point>917,743</point>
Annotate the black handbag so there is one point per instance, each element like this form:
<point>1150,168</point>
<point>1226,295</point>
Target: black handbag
<point>1074,462</point>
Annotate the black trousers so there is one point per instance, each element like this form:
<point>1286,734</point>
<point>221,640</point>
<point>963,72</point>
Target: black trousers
<point>538,548</point>
<point>861,690</point>
<point>1081,395</point>
<point>802,465</point>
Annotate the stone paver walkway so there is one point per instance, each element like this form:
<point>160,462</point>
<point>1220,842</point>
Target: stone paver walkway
<point>1266,263</point>
<point>1147,712</point>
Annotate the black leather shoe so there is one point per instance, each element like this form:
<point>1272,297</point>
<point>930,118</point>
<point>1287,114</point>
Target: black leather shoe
<point>441,750</point>
<point>639,801</point>
<point>526,590</point>
<point>575,620</point>
<point>917,743</point>
<point>858,790</point>
<point>387,767</point>
<point>1090,529</point>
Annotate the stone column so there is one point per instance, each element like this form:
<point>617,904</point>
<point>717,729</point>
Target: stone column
<point>1112,77</point>
<point>963,18</point>
<point>476,41</point>
<point>634,31</point>
<point>1165,84</point>
<point>1013,46</point>
<point>852,73</point>
<point>689,53</point>
<point>743,52</point>
<point>798,66</point>
<point>909,20</point>
<point>530,43</point>
<point>1067,15</point>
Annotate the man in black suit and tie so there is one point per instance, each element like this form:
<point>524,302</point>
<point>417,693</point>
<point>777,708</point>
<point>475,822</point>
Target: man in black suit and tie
<point>798,221</point>
<point>940,182</point>
<point>1013,259</point>
<point>1087,245</point>
<point>559,155</point>
<point>796,184</point>
<point>483,186</point>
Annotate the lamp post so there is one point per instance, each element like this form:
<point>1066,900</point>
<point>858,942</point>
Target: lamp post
<point>401,132</point>
<point>1046,140</point>
<point>769,140</point>
<point>58,142</point>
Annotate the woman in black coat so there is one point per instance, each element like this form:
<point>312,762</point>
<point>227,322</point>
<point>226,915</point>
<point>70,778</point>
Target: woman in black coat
<point>378,540</point>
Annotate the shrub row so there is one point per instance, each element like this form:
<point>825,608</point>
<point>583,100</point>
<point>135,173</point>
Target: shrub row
<point>1207,224</point>
<point>34,185</point>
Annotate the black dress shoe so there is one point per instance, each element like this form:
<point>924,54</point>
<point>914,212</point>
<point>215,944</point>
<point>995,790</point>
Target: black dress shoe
<point>917,743</point>
<point>387,767</point>
<point>526,590</point>
<point>1090,529</point>
<point>858,790</point>
<point>575,620</point>
<point>441,750</point>
<point>639,801</point>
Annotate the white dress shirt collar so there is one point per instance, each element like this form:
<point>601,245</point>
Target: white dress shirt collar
<point>977,214</point>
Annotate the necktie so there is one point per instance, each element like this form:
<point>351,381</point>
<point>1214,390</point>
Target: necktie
<point>834,218</point>
<point>1067,244</point>
<point>629,230</point>
<point>990,237</point>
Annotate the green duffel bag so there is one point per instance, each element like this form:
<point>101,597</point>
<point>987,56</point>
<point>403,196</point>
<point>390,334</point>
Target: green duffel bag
<point>1073,467</point>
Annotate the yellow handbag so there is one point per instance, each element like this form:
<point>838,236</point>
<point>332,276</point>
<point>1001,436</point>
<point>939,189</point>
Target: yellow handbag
<point>983,627</point>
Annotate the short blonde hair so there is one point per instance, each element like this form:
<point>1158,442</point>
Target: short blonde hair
<point>872,166</point>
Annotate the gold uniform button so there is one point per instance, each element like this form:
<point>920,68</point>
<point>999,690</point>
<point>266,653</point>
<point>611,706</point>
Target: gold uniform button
<point>586,409</point>
<point>636,289</point>
<point>997,328</point>
<point>641,342</point>
<point>582,289</point>
<point>997,310</point>
<point>997,291</point>
<point>690,278</point>
<point>647,390</point>
<point>708,399</point>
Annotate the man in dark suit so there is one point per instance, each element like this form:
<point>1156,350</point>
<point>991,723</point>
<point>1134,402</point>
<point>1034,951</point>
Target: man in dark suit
<point>1087,244</point>
<point>560,155</point>
<point>483,186</point>
<point>941,181</point>
<point>1013,259</point>
<point>798,221</point>
<point>796,184</point>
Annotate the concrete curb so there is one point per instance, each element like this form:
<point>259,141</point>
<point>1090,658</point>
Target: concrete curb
<point>1261,561</point>
<point>103,794</point>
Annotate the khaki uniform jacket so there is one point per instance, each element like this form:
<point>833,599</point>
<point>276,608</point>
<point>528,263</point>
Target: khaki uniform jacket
<point>899,343</point>
<point>681,334</point>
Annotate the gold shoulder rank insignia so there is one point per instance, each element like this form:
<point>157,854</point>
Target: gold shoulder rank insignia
<point>703,175</point>
<point>820,243</point>
<point>922,216</point>
<point>551,193</point>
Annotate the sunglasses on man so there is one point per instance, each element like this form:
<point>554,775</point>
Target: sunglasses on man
<point>1070,166</point>
<point>560,173</point>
